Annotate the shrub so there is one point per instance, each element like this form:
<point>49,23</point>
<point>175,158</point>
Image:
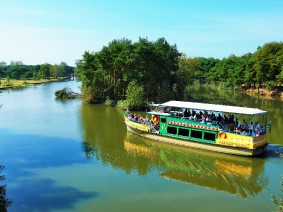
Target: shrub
<point>109,102</point>
<point>122,104</point>
<point>135,96</point>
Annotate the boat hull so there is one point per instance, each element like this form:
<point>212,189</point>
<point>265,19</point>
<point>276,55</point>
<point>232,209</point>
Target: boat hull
<point>198,145</point>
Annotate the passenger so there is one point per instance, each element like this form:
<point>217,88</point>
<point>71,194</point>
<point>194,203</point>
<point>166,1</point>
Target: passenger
<point>238,130</point>
<point>131,117</point>
<point>135,117</point>
<point>236,122</point>
<point>219,118</point>
<point>147,120</point>
<point>251,128</point>
<point>191,117</point>
<point>186,113</point>
<point>202,119</point>
<point>195,117</point>
<point>256,132</point>
<point>225,118</point>
<point>200,115</point>
<point>244,125</point>
<point>140,120</point>
<point>213,118</point>
<point>208,118</point>
<point>257,125</point>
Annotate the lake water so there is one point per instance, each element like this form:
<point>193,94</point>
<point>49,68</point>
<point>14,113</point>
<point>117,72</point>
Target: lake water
<point>72,156</point>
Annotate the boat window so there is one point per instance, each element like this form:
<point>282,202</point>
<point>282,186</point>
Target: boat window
<point>172,130</point>
<point>183,132</point>
<point>196,134</point>
<point>163,120</point>
<point>209,136</point>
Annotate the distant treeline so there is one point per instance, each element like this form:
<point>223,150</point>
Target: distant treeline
<point>17,70</point>
<point>145,71</point>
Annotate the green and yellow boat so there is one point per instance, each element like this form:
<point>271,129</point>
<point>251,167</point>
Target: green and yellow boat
<point>204,126</point>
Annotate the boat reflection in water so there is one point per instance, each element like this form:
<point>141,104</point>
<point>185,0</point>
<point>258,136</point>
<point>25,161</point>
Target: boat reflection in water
<point>236,175</point>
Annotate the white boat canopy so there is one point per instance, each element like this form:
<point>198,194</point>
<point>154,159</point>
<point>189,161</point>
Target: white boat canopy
<point>214,107</point>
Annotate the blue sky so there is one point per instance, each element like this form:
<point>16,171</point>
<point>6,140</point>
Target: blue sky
<point>40,31</point>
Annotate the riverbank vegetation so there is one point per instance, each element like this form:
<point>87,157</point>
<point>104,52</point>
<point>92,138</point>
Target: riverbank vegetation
<point>131,74</point>
<point>17,74</point>
<point>7,83</point>
<point>18,70</point>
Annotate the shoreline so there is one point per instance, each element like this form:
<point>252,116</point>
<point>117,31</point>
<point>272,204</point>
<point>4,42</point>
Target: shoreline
<point>24,83</point>
<point>264,93</point>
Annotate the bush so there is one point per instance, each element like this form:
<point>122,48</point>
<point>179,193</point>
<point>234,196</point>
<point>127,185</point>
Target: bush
<point>109,102</point>
<point>135,96</point>
<point>270,85</point>
<point>122,104</point>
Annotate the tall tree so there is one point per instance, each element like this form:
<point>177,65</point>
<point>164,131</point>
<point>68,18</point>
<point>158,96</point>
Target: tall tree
<point>267,63</point>
<point>45,70</point>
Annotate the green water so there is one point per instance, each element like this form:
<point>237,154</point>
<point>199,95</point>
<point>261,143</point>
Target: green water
<point>71,156</point>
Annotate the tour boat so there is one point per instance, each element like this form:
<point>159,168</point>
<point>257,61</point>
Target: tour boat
<point>219,128</point>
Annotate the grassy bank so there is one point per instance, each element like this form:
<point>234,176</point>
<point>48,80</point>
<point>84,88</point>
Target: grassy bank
<point>13,83</point>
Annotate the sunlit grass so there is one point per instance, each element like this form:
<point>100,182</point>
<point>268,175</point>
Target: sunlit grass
<point>14,83</point>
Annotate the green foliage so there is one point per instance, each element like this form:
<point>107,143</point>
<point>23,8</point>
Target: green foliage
<point>135,96</point>
<point>165,73</point>
<point>109,71</point>
<point>4,202</point>
<point>123,104</point>
<point>8,82</point>
<point>109,102</point>
<point>268,61</point>
<point>279,77</point>
<point>270,85</point>
<point>17,70</point>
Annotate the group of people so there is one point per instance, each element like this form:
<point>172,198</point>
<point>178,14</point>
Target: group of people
<point>206,117</point>
<point>253,129</point>
<point>139,119</point>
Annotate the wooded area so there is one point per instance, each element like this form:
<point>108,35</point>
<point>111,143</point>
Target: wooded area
<point>17,70</point>
<point>147,71</point>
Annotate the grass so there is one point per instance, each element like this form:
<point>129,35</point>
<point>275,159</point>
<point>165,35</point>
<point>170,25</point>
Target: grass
<point>14,83</point>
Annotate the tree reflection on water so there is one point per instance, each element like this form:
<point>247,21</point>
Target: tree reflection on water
<point>4,202</point>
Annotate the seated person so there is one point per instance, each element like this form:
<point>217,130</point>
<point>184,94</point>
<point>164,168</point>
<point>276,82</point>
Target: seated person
<point>238,130</point>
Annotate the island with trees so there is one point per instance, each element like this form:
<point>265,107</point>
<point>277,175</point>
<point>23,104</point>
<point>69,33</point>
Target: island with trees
<point>131,74</point>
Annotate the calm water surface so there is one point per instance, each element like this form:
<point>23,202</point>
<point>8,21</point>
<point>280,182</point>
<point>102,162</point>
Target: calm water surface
<point>71,156</point>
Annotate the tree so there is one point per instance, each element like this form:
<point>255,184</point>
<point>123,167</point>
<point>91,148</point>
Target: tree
<point>4,202</point>
<point>44,71</point>
<point>54,71</point>
<point>185,74</point>
<point>135,96</point>
<point>2,68</point>
<point>109,71</point>
<point>204,71</point>
<point>90,72</point>
<point>268,62</point>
